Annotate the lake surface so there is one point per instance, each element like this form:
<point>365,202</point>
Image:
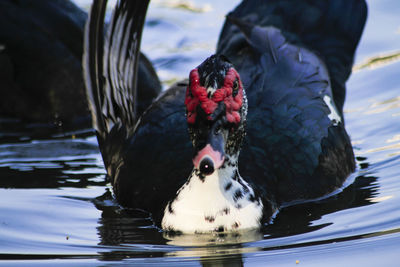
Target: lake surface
<point>56,207</point>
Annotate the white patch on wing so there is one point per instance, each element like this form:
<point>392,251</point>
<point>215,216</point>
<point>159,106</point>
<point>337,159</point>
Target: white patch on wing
<point>334,115</point>
<point>205,206</point>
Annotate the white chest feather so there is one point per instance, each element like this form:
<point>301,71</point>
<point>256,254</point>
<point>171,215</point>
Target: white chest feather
<point>222,201</point>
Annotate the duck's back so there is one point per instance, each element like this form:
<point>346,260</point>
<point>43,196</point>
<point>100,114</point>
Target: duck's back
<point>294,58</point>
<point>331,29</point>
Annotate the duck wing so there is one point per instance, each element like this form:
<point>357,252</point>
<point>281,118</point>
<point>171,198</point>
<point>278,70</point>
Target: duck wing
<point>294,61</point>
<point>110,71</point>
<point>147,157</point>
<point>111,63</point>
<point>332,29</point>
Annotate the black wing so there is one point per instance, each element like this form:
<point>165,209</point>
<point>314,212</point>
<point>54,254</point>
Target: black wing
<point>294,59</point>
<point>111,64</point>
<point>331,28</point>
<point>147,159</point>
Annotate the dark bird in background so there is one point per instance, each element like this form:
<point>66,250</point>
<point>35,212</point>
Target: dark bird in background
<point>41,46</point>
<point>274,91</point>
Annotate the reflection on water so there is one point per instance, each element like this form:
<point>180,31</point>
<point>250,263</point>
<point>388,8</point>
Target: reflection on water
<point>185,5</point>
<point>56,205</point>
<point>51,164</point>
<point>115,233</point>
<point>378,61</point>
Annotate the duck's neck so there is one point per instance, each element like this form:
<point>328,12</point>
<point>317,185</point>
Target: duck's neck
<point>222,201</point>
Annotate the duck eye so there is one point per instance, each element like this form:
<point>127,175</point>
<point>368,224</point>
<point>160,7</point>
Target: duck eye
<point>235,87</point>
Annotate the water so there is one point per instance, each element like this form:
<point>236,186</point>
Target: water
<point>56,207</point>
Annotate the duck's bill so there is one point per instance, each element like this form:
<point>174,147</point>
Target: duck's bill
<point>210,157</point>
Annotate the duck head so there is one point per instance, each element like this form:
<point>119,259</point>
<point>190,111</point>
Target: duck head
<point>216,108</point>
<point>215,197</point>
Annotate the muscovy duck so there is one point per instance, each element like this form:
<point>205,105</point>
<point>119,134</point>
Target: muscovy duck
<point>274,90</point>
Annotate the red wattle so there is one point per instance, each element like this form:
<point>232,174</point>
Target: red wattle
<point>197,95</point>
